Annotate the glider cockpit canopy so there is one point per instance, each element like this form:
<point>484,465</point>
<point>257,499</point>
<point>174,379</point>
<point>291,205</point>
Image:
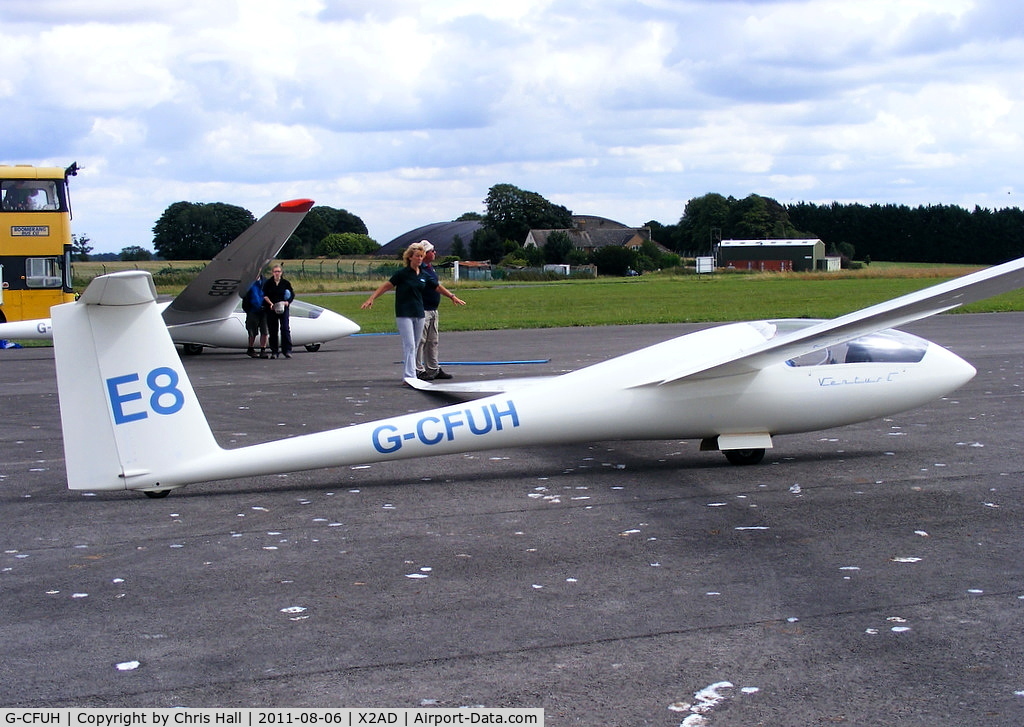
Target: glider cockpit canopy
<point>890,346</point>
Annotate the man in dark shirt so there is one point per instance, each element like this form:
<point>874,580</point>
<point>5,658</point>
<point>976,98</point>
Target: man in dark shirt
<point>427,366</point>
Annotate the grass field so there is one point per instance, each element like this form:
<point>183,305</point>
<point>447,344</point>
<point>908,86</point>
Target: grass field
<point>652,298</point>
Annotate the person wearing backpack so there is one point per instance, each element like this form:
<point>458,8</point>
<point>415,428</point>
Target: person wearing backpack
<point>255,318</point>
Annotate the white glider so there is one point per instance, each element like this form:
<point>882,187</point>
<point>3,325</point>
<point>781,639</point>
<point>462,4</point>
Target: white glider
<point>208,311</point>
<point>733,387</point>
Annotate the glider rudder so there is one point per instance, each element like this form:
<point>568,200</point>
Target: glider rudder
<point>119,380</point>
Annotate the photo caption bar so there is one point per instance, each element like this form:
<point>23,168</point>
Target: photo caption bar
<point>346,717</point>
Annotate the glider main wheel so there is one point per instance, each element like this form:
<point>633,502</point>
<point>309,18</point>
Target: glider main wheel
<point>743,456</point>
<point>191,349</point>
<point>312,347</point>
<point>157,494</point>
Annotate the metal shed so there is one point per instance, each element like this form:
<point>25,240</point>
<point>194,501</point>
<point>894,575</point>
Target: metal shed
<point>772,255</point>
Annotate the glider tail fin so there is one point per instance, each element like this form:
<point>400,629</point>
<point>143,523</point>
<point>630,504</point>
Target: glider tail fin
<point>213,293</point>
<point>129,415</point>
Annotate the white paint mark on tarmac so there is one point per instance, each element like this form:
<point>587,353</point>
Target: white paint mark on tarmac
<point>705,701</point>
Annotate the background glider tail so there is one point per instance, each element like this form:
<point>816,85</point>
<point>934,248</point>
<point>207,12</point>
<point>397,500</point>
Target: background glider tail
<point>214,292</point>
<point>119,379</point>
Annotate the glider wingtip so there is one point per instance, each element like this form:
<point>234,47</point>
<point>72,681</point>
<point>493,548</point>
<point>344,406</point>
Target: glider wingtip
<point>416,383</point>
<point>295,205</point>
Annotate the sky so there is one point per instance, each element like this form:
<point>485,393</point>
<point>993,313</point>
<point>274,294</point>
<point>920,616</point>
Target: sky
<point>406,112</point>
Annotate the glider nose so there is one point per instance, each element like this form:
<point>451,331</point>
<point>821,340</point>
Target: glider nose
<point>952,370</point>
<point>965,371</point>
<point>336,325</point>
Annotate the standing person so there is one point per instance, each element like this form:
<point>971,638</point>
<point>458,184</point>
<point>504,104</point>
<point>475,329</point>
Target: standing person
<point>277,297</point>
<point>427,366</point>
<point>255,318</point>
<point>409,284</point>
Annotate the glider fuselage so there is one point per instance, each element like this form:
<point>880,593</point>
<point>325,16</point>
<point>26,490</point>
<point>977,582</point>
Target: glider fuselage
<point>588,405</point>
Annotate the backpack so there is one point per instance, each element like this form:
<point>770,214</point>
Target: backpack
<point>252,301</point>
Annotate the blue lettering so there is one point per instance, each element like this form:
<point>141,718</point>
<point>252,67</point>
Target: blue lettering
<point>423,435</point>
<point>394,442</point>
<point>857,380</point>
<point>472,424</point>
<point>431,430</point>
<point>510,412</point>
<point>171,390</point>
<point>117,399</point>
<point>452,420</point>
<point>158,401</point>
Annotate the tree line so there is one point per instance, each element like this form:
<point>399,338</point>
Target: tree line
<point>927,234</point>
<point>198,231</point>
<point>899,233</point>
<point>513,212</point>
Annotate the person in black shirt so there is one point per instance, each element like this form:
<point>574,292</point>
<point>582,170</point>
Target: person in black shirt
<point>277,297</point>
<point>409,284</point>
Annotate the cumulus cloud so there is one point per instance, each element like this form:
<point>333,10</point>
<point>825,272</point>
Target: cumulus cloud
<point>405,112</point>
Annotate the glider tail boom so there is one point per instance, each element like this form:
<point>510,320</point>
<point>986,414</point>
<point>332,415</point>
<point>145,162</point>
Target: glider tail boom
<point>119,378</point>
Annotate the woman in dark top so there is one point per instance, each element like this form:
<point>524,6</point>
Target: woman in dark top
<point>278,296</point>
<point>408,284</point>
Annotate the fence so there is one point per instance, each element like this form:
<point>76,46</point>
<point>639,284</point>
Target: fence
<point>171,273</point>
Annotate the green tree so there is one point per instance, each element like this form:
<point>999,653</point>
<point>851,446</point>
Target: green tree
<point>671,236</point>
<point>346,243</point>
<point>558,247</point>
<point>932,233</point>
<point>458,249</point>
<point>486,245</point>
<point>513,212</point>
<point>318,223</point>
<point>80,248</point>
<point>198,231</point>
<point>749,219</point>
<point>712,218</point>
<point>703,220</point>
<point>652,257</point>
<point>577,257</point>
<point>534,256</point>
<point>135,253</point>
<point>613,260</point>
<point>759,218</point>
